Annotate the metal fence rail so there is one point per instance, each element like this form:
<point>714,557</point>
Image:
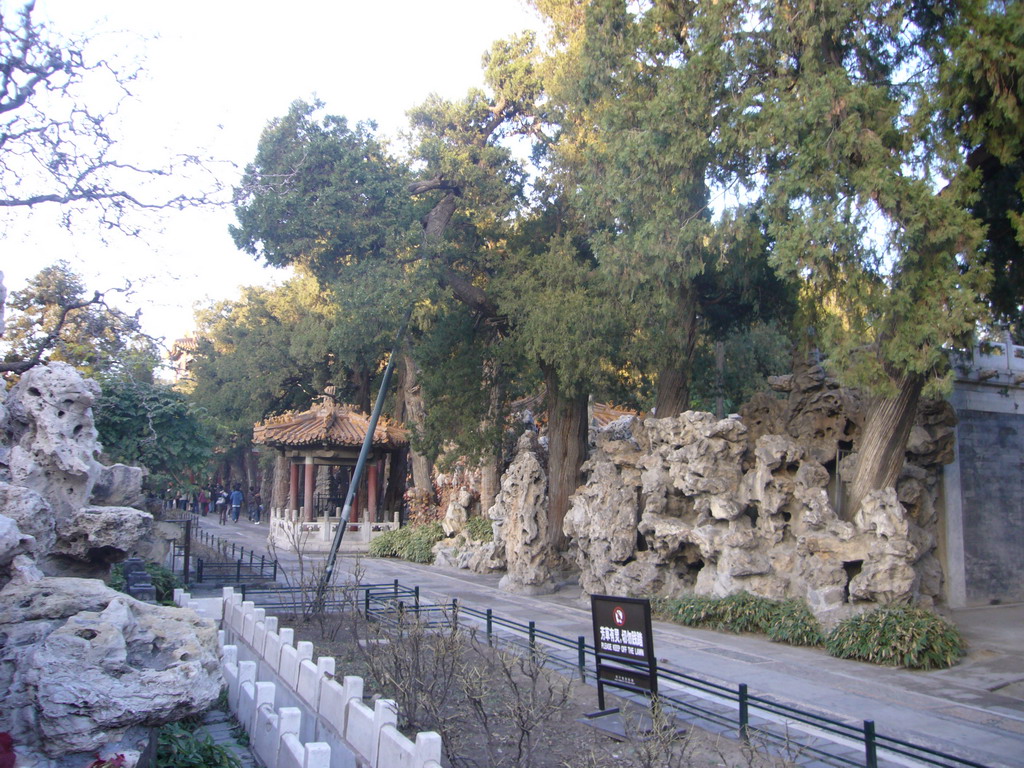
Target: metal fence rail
<point>235,571</point>
<point>734,708</point>
<point>239,564</point>
<point>826,739</point>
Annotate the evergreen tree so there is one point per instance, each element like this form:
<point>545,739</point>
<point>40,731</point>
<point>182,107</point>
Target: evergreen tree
<point>867,198</point>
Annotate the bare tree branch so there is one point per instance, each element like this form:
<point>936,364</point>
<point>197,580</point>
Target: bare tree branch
<point>55,149</point>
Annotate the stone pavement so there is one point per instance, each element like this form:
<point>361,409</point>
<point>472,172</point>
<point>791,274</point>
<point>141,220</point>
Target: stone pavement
<point>220,727</point>
<point>974,710</point>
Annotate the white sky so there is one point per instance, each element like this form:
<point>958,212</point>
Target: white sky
<point>216,71</point>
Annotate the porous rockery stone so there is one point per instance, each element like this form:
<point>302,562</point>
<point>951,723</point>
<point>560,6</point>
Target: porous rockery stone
<point>83,668</point>
<point>697,505</point>
<point>86,669</point>
<point>80,513</point>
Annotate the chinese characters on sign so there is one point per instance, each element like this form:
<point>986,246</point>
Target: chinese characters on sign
<point>623,644</point>
<point>629,642</point>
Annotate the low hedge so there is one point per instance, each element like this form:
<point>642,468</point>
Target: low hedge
<point>164,581</point>
<point>894,635</point>
<point>411,542</point>
<point>898,635</point>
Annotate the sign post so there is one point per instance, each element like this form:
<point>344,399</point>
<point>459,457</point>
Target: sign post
<point>623,645</point>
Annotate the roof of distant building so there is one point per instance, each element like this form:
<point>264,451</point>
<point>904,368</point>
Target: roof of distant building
<point>188,345</point>
<point>327,424</point>
<point>603,414</point>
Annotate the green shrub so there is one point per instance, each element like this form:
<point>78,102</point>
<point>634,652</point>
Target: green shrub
<point>744,612</point>
<point>164,581</point>
<point>422,541</point>
<point>179,747</point>
<point>388,544</point>
<point>412,542</point>
<point>898,636</point>
<point>479,529</point>
<point>690,610</point>
<point>792,622</point>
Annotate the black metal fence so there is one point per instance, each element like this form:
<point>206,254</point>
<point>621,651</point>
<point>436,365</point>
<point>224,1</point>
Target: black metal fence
<point>235,571</point>
<point>232,564</point>
<point>810,735</point>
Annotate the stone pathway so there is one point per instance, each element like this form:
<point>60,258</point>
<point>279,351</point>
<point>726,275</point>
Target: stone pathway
<point>221,728</point>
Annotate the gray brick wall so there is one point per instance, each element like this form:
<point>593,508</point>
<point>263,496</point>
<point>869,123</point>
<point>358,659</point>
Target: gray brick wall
<point>991,449</point>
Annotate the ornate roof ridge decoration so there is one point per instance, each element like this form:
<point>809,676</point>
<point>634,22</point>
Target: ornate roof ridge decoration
<point>327,424</point>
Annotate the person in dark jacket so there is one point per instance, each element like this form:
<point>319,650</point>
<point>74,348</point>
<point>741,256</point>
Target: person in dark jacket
<point>236,503</point>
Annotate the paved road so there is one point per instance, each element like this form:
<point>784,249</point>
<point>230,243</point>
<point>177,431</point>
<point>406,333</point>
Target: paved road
<point>975,710</point>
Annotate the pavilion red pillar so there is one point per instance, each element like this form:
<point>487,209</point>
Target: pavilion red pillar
<point>354,514</point>
<point>371,492</point>
<point>307,507</point>
<point>293,489</point>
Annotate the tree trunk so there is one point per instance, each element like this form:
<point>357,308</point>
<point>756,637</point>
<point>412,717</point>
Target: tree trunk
<point>567,447</point>
<point>415,413</point>
<point>674,375</point>
<point>882,447</point>
<point>491,465</point>
<point>394,488</point>
<point>490,480</point>
<point>361,384</point>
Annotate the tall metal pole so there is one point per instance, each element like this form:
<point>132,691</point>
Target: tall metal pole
<point>364,452</point>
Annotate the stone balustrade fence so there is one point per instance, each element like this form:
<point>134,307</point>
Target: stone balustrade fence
<point>296,711</point>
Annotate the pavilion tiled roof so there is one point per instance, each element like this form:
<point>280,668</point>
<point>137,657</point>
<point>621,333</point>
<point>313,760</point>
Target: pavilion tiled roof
<point>184,346</point>
<point>603,414</point>
<point>327,424</point>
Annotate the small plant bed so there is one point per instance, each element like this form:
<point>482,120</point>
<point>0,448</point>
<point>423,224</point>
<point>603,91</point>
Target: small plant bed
<point>414,543</point>
<point>164,581</point>
<point>892,635</point>
<point>898,636</point>
<point>502,707</point>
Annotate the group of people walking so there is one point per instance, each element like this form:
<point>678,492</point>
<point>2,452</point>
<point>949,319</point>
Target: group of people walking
<point>218,499</point>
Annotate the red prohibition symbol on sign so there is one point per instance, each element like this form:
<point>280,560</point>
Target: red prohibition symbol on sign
<point>619,616</point>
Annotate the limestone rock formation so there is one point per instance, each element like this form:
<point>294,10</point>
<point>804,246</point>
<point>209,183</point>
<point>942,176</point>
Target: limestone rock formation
<point>461,551</point>
<point>520,521</point>
<point>118,486</point>
<point>12,541</point>
<point>82,665</point>
<point>31,512</point>
<point>692,504</point>
<point>53,444</point>
<point>79,511</point>
<point>457,512</point>
<point>102,534</point>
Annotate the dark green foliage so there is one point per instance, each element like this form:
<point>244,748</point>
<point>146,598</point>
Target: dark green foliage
<point>321,193</point>
<point>164,581</point>
<point>412,542</point>
<point>480,529</point>
<point>744,612</point>
<point>784,621</point>
<point>456,348</point>
<point>792,622</point>
<point>751,355</point>
<point>179,747</point>
<point>55,318</point>
<point>154,426</point>
<point>691,610</point>
<point>898,635</point>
